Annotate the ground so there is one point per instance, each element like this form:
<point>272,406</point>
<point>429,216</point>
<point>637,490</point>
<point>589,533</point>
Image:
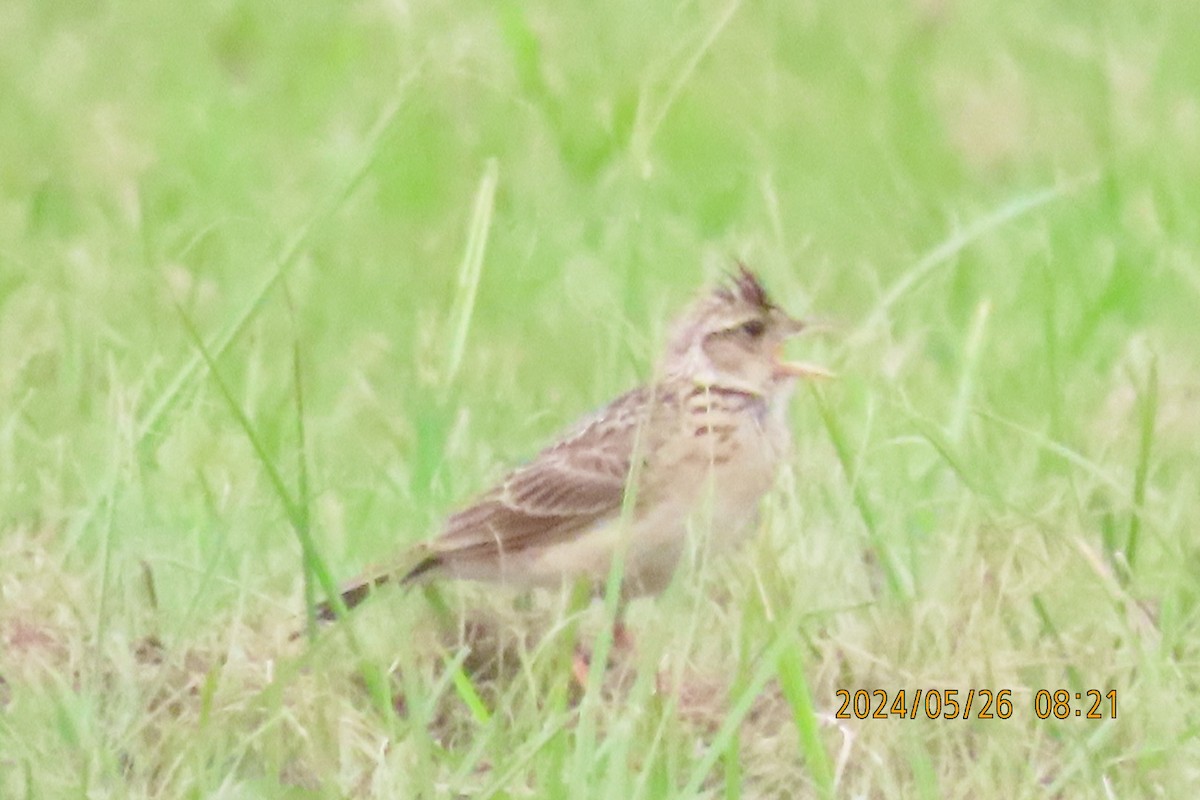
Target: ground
<point>282,284</point>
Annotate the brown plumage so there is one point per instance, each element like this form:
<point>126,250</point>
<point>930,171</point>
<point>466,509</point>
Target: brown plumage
<point>712,422</point>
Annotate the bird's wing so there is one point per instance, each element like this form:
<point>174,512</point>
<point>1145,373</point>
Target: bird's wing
<point>564,490</point>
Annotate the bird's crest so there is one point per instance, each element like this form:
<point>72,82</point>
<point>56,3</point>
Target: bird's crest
<point>745,287</point>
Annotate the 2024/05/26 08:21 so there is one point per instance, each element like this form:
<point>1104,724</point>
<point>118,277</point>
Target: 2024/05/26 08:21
<point>987,704</point>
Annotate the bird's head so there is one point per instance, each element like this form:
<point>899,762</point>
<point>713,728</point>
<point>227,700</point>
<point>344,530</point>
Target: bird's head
<point>733,338</point>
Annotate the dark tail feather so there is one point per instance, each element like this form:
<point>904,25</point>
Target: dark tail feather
<point>351,596</point>
<point>361,589</point>
<point>424,566</point>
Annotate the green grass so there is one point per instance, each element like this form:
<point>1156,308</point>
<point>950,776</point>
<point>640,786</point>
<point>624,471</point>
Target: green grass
<point>282,284</point>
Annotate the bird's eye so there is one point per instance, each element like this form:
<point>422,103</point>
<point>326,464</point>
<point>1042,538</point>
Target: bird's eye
<point>754,328</point>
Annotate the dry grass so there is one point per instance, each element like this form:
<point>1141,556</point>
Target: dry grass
<point>277,291</point>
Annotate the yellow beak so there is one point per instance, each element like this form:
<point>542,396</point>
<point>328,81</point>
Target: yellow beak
<point>799,369</point>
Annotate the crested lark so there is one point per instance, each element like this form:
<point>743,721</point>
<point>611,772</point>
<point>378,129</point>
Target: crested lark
<point>689,454</point>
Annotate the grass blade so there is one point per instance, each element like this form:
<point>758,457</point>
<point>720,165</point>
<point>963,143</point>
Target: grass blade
<point>795,688</point>
<point>471,269</point>
<point>865,510</point>
<point>311,562</point>
<point>467,692</point>
<point>1147,415</point>
<point>966,382</point>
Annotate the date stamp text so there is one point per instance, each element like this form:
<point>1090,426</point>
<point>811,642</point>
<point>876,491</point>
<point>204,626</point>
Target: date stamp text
<point>973,704</point>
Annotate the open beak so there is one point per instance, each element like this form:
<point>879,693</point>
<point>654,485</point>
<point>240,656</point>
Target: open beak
<point>799,369</point>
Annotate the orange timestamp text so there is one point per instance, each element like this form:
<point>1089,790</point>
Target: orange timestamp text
<point>930,703</point>
<point>976,703</point>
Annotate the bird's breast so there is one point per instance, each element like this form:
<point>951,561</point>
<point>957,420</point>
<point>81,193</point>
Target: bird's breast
<point>723,458</point>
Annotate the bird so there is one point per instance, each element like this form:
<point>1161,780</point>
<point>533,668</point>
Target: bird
<point>688,454</point>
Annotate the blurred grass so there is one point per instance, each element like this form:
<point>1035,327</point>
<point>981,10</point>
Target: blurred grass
<point>486,214</point>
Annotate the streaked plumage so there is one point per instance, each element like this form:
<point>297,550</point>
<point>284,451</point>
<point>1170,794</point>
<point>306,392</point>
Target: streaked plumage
<point>707,438</point>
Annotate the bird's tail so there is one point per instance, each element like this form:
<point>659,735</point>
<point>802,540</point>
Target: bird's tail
<point>359,589</point>
<point>352,594</point>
